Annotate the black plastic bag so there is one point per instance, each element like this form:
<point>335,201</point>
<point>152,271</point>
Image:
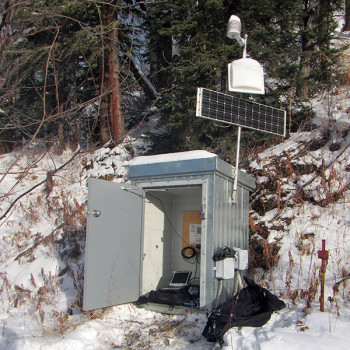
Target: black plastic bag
<point>172,299</point>
<point>252,306</point>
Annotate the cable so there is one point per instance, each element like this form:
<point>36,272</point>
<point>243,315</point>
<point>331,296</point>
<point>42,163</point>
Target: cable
<point>188,246</point>
<point>166,215</point>
<point>188,256</point>
<point>218,292</point>
<point>238,283</point>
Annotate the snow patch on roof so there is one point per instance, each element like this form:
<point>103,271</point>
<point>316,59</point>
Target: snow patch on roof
<point>170,157</point>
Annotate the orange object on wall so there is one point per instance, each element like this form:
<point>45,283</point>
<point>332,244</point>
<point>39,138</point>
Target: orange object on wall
<point>190,221</point>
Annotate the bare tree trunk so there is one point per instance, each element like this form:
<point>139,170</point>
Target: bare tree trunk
<point>111,108</point>
<point>60,131</point>
<point>115,109</point>
<point>73,135</point>
<point>104,126</point>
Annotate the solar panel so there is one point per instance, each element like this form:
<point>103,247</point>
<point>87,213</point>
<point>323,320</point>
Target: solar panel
<point>232,110</point>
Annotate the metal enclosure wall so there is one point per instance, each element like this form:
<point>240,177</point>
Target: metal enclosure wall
<point>224,223</point>
<point>162,243</point>
<point>230,225</point>
<point>156,240</point>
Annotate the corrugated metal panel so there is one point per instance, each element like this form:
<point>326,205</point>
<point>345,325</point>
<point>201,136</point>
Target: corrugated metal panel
<point>207,273</point>
<point>230,226</point>
<point>225,223</point>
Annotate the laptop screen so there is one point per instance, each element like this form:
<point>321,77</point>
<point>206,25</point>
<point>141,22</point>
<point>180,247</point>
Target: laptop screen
<point>180,278</point>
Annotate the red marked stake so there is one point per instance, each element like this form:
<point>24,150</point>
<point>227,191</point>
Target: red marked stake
<point>323,255</point>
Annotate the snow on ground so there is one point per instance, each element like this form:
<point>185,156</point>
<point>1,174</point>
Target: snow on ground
<point>290,329</point>
<point>42,249</point>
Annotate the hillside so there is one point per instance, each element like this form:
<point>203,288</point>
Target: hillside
<point>302,197</point>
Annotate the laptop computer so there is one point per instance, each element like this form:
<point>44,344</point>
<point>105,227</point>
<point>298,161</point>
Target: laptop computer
<point>179,280</point>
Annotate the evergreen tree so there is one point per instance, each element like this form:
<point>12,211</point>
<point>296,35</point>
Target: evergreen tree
<point>290,38</point>
<point>59,57</point>
<point>194,51</point>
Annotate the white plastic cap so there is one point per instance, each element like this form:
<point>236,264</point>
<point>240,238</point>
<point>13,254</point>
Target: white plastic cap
<point>234,29</point>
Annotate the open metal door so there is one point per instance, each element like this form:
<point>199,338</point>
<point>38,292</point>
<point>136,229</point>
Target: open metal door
<point>113,244</point>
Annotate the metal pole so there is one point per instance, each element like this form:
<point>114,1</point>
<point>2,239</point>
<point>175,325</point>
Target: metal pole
<point>234,193</point>
<point>245,46</point>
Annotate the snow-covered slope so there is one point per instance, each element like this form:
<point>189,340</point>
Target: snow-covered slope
<point>302,198</point>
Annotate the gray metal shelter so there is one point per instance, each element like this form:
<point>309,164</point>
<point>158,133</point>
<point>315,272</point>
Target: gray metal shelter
<point>136,232</point>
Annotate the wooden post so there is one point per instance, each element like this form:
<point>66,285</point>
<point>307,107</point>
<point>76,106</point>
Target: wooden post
<point>323,255</point>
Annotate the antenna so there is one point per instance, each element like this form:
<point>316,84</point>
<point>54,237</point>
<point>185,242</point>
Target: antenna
<point>245,76</point>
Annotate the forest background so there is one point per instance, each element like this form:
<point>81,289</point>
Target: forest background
<point>88,72</point>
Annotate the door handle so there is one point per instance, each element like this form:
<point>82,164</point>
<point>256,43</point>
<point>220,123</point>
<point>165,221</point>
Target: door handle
<point>95,213</point>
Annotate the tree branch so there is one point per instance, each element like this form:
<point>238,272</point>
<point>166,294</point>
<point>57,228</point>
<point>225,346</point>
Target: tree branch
<point>37,185</point>
<point>44,110</point>
<point>38,242</point>
<point>144,82</point>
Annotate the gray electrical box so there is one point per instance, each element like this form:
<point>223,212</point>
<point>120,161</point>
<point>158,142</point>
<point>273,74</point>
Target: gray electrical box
<point>136,232</point>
